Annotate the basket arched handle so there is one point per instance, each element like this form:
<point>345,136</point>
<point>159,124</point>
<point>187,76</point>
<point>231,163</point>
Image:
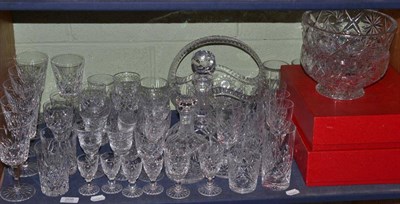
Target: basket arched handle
<point>205,41</point>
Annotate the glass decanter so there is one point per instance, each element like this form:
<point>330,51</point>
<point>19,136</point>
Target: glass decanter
<point>184,132</point>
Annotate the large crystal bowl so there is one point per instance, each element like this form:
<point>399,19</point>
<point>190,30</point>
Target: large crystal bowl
<point>346,50</point>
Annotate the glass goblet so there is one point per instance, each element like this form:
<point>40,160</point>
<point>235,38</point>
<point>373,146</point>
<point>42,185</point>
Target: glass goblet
<point>177,163</point>
<point>87,167</point>
<point>14,149</point>
<point>111,164</point>
<point>151,153</point>
<point>68,73</point>
<point>94,107</point>
<point>59,118</point>
<point>131,166</point>
<point>211,159</point>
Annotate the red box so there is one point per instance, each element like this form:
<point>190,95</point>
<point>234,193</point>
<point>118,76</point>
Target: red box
<point>371,122</point>
<point>346,167</point>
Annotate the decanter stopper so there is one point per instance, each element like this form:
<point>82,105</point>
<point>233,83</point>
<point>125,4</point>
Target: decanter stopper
<point>203,62</point>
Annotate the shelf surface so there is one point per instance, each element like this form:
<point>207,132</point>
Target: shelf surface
<point>137,5</point>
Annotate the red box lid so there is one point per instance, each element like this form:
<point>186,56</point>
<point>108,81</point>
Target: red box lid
<point>372,121</point>
<point>346,167</point>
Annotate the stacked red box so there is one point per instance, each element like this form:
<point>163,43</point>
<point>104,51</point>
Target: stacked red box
<point>346,142</point>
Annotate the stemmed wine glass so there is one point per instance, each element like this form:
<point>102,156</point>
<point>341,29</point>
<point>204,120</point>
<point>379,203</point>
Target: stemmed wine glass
<point>87,166</point>
<point>89,140</point>
<point>111,164</point>
<point>94,107</point>
<point>211,159</point>
<point>151,153</point>
<point>177,162</point>
<point>14,149</point>
<point>131,166</point>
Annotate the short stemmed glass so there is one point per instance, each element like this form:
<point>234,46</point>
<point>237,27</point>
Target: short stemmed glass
<point>211,159</point>
<point>89,140</point>
<point>14,149</point>
<point>177,163</point>
<point>151,153</point>
<point>132,166</point>
<point>59,118</point>
<point>87,166</point>
<point>111,164</point>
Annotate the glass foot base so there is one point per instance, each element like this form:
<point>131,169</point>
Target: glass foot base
<point>276,186</point>
<point>108,189</point>
<point>153,189</point>
<point>178,192</point>
<point>23,193</point>
<point>209,190</point>
<point>342,95</point>
<point>132,192</point>
<point>27,170</point>
<point>89,190</point>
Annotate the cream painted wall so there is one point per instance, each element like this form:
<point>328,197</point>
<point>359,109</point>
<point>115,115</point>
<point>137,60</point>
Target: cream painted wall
<point>150,48</point>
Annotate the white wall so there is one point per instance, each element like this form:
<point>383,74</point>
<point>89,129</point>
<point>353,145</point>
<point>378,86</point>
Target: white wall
<point>110,48</point>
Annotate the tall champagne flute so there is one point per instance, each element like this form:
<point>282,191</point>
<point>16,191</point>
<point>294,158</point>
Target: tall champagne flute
<point>14,149</point>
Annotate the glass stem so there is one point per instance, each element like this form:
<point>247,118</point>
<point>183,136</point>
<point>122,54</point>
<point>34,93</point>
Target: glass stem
<point>17,172</point>
<point>178,187</point>
<point>111,183</point>
<point>210,183</point>
<point>132,186</point>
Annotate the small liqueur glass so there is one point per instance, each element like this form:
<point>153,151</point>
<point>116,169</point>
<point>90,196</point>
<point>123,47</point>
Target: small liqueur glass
<point>111,164</point>
<point>87,166</point>
<point>132,167</point>
<point>59,118</point>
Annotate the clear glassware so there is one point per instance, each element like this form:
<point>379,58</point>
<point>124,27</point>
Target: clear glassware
<point>120,140</point>
<point>211,159</point>
<point>278,158</point>
<point>151,153</point>
<point>273,69</point>
<point>53,169</point>
<point>94,107</point>
<point>346,50</point>
<point>132,167</point>
<point>59,118</point>
<point>111,163</point>
<point>230,116</point>
<point>68,73</point>
<point>89,140</point>
<point>87,167</point>
<point>68,147</point>
<point>98,81</point>
<point>185,132</point>
<point>155,113</point>
<point>14,149</point>
<point>31,65</point>
<point>279,113</point>
<point>177,162</point>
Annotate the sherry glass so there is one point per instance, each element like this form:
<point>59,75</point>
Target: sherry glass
<point>14,149</point>
<point>211,159</point>
<point>132,167</point>
<point>87,166</point>
<point>59,118</point>
<point>177,162</point>
<point>111,164</point>
<point>151,153</point>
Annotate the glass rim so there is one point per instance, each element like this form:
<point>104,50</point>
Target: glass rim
<point>42,57</point>
<point>106,79</point>
<point>391,29</point>
<point>164,82</point>
<point>55,60</point>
